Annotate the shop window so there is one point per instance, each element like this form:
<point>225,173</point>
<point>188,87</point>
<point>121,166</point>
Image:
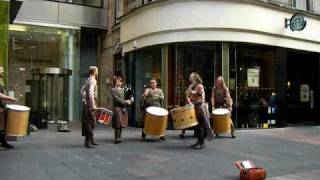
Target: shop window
<point>142,66</point>
<point>252,84</point>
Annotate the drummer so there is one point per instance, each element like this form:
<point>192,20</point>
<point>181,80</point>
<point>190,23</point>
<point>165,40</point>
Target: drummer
<point>3,99</point>
<point>220,98</point>
<point>196,96</point>
<point>152,96</point>
<point>120,114</point>
<point>88,93</point>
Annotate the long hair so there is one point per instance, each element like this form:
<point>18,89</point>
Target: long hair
<point>223,82</point>
<point>197,78</point>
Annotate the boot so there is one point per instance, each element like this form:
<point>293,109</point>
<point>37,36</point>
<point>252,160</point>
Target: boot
<point>232,132</point>
<point>4,142</point>
<point>119,135</point>
<point>87,143</point>
<point>163,138</point>
<point>198,145</point>
<point>200,142</point>
<point>92,141</point>
<point>143,135</point>
<point>116,136</point>
<point>183,131</point>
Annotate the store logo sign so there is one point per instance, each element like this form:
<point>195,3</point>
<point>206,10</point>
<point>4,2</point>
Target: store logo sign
<point>297,22</point>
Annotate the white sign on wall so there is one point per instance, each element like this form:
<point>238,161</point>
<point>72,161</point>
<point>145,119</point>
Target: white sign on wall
<point>253,77</point>
<point>304,93</point>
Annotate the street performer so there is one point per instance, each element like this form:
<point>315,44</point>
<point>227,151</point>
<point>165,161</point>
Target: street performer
<point>3,112</point>
<point>152,96</point>
<point>195,95</point>
<point>120,113</point>
<point>220,98</point>
<point>88,93</point>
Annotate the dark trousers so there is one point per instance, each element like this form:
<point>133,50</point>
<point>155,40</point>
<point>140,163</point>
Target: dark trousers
<point>88,122</point>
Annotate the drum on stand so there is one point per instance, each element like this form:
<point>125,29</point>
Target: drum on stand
<point>221,121</point>
<point>156,121</point>
<point>184,117</point>
<point>17,120</point>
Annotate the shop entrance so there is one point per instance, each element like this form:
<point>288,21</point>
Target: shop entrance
<point>184,59</point>
<point>303,87</point>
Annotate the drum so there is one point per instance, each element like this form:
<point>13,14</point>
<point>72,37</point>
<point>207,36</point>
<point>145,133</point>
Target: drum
<point>221,121</point>
<point>184,117</point>
<point>17,120</point>
<point>156,121</point>
<point>103,115</point>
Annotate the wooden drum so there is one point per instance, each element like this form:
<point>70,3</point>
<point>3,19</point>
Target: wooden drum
<point>17,120</point>
<point>156,121</point>
<point>221,121</point>
<point>184,117</point>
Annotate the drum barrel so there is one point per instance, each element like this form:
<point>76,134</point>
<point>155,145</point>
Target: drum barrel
<point>154,124</point>
<point>17,120</point>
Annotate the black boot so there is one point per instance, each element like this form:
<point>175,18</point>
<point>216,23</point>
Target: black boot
<point>87,143</point>
<point>200,142</point>
<point>143,135</point>
<point>163,138</point>
<point>4,142</point>
<point>183,131</point>
<point>119,135</point>
<point>232,132</point>
<point>116,136</point>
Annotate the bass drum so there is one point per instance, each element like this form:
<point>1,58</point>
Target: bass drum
<point>156,121</point>
<point>184,117</point>
<point>17,120</point>
<point>221,121</point>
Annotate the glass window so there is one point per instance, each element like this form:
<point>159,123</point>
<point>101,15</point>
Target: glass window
<point>252,83</point>
<point>192,57</point>
<point>142,65</point>
<point>37,47</point>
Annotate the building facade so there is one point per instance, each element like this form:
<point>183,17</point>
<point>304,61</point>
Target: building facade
<point>271,70</point>
<point>51,34</point>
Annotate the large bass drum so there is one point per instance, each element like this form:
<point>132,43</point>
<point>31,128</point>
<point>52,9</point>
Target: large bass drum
<point>156,121</point>
<point>17,120</point>
<point>184,117</point>
<point>221,121</point>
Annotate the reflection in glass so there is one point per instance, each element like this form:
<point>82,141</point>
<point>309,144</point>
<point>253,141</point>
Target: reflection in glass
<point>37,47</point>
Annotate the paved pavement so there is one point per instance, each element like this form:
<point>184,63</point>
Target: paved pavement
<point>287,153</point>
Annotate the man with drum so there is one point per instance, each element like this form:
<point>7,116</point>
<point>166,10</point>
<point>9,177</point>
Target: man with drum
<point>3,99</point>
<point>220,98</point>
<point>88,93</point>
<point>120,114</point>
<point>196,96</point>
<point>152,96</point>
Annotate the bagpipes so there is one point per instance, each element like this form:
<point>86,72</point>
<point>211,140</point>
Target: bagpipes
<point>129,92</point>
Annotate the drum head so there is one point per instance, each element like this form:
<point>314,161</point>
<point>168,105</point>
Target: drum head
<point>157,111</point>
<point>220,111</point>
<point>18,107</point>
